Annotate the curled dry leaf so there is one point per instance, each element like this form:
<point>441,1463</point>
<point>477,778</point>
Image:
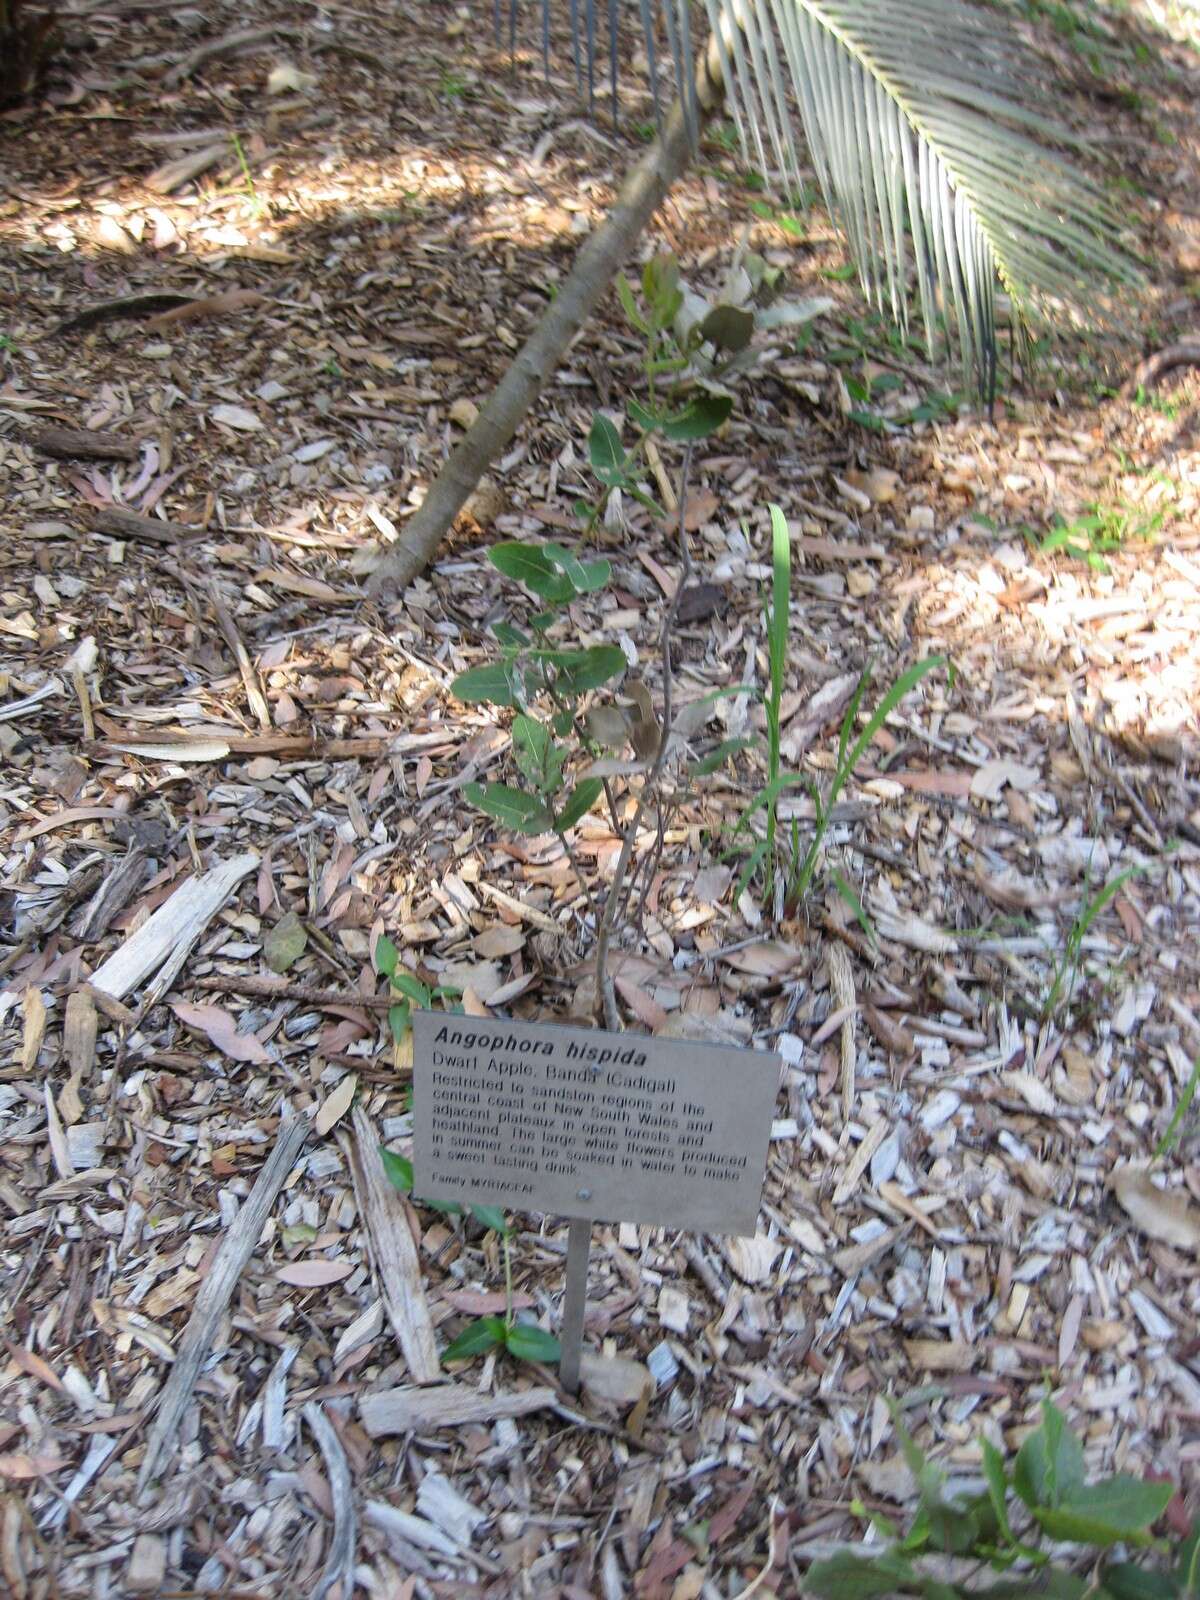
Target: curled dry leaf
<point>1164,1214</point>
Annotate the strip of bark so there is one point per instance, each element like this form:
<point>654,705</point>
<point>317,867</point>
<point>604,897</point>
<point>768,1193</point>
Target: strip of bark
<point>74,444</point>
<point>219,1283</point>
<point>121,524</point>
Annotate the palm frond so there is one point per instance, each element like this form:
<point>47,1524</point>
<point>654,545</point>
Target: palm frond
<point>929,136</point>
<point>932,143</point>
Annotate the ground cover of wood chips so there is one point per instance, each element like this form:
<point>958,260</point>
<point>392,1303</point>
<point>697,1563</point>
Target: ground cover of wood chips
<point>273,256</point>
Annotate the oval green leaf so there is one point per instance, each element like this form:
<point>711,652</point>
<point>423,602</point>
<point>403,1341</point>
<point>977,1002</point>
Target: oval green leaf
<point>605,451</point>
<point>580,670</point>
<point>528,1342</point>
<point>530,565</point>
<point>386,956</point>
<point>728,327</point>
<point>399,1170</point>
<point>699,418</point>
<point>476,1339</point>
<point>495,685</point>
<point>492,1217</point>
<point>512,808</point>
<point>582,798</point>
<point>1106,1512</point>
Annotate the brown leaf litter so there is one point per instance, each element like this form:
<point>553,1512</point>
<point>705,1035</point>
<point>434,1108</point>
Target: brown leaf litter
<point>221,1326</point>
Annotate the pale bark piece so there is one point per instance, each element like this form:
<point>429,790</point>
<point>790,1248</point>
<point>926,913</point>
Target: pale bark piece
<point>165,939</point>
<point>339,1563</point>
<point>841,981</point>
<point>74,444</point>
<point>234,1252</point>
<point>393,1250</point>
<point>229,632</point>
<point>147,1567</point>
<point>113,895</point>
<point>413,1410</point>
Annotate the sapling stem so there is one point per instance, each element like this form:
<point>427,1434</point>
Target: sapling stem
<point>617,894</point>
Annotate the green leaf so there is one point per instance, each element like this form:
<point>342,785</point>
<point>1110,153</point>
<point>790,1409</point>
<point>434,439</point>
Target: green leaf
<point>1049,1465</point>
<point>728,327</point>
<point>585,577</point>
<point>512,808</point>
<point>848,893</point>
<point>1188,1566</point>
<point>606,452</point>
<point>1124,1581</point>
<point>1165,1144</point>
<point>718,757</point>
<point>445,1208</point>
<point>1051,1583</point>
<point>630,306</point>
<point>580,670</point>
<point>642,416</point>
<point>700,417</point>
<point>846,1576</point>
<point>997,1484</point>
<point>399,1020</point>
<point>1106,1512</point>
<point>497,684</point>
<point>582,798</point>
<point>386,956</point>
<point>412,988</point>
<point>532,566</point>
<point>476,1339</point>
<point>399,1170</point>
<point>492,1217</point>
<point>284,944</point>
<point>506,634</point>
<point>528,1342</point>
<point>539,759</point>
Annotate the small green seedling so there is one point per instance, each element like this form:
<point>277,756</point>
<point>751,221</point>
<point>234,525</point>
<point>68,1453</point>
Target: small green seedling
<point>524,1340</point>
<point>410,990</point>
<point>1043,1496</point>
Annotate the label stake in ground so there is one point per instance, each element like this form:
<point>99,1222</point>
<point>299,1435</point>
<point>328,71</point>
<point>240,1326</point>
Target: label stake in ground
<point>532,1116</point>
<point>538,1117</point>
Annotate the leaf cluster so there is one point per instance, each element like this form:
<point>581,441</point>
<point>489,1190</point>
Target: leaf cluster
<point>1045,1495</point>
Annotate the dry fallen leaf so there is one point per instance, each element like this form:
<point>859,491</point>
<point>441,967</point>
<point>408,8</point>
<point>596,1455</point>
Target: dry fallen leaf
<point>337,1104</point>
<point>238,417</point>
<point>991,777</point>
<point>213,305</point>
<point>222,1030</point>
<point>314,1274</point>
<point>1164,1214</point>
<point>768,959</point>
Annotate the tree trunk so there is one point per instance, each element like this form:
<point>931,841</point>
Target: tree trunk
<point>595,266</point>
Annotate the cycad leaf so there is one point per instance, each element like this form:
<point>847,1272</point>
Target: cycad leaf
<point>919,116</point>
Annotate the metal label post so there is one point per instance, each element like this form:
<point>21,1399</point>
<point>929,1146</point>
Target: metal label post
<point>579,1242</point>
